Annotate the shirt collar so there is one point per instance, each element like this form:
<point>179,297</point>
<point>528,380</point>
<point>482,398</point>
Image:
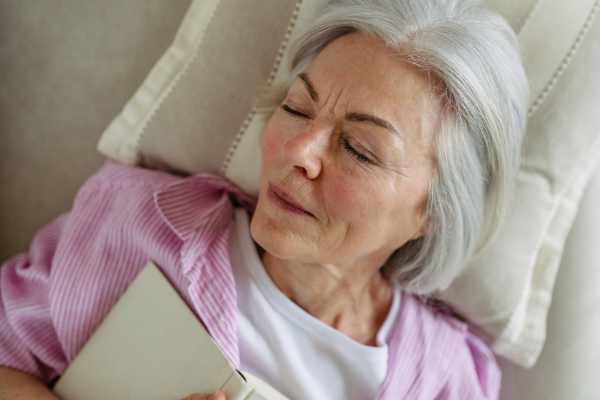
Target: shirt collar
<point>186,204</point>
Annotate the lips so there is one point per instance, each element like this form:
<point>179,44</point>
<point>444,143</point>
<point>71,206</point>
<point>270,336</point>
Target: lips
<point>283,200</point>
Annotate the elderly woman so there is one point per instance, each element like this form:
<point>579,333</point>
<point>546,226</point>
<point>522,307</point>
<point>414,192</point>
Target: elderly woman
<point>387,165</point>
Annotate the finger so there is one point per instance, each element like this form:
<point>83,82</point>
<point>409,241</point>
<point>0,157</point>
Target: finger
<point>199,396</point>
<point>217,396</point>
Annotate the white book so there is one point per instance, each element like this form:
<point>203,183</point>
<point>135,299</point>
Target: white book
<point>151,346</point>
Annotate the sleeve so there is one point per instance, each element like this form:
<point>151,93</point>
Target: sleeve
<point>475,374</point>
<point>53,297</point>
<point>28,340</point>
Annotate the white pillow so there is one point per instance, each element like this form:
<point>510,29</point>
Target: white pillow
<point>200,110</point>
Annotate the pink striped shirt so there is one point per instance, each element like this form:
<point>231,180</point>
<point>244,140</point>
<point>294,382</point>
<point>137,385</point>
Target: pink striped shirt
<point>56,295</point>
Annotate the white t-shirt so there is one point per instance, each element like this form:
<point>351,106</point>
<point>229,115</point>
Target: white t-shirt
<point>302,357</point>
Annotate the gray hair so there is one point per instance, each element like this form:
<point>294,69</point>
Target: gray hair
<point>472,56</point>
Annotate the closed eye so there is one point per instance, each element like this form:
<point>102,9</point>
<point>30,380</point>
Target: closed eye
<point>360,157</point>
<point>292,112</point>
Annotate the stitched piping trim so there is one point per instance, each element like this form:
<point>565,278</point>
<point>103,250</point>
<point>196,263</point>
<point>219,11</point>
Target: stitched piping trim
<point>521,348</point>
<point>566,61</point>
<point>121,138</point>
<point>532,12</point>
<point>165,94</point>
<point>272,75</point>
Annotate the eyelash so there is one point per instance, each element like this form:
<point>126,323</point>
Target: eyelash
<point>294,113</point>
<point>355,153</point>
<point>360,157</point>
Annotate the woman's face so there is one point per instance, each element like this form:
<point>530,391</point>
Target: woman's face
<point>347,158</point>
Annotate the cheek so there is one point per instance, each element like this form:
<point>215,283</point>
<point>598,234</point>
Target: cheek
<point>372,204</point>
<point>272,141</point>
<point>344,194</point>
<point>351,198</point>
<point>268,147</point>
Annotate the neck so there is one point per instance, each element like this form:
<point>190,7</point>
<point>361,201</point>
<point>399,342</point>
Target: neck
<point>354,299</point>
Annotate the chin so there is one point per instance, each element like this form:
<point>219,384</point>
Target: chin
<point>275,240</point>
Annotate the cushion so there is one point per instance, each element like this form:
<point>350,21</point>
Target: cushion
<point>515,275</point>
<point>206,102</point>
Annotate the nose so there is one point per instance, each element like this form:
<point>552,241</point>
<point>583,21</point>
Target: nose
<point>305,151</point>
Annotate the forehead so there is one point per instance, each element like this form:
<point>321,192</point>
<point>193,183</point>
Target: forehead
<point>362,74</point>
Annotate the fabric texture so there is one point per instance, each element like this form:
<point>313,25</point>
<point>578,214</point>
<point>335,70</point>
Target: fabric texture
<point>66,69</point>
<point>569,365</point>
<point>54,297</point>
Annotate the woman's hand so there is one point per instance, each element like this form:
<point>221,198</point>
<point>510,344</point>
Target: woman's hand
<point>19,385</point>
<point>198,396</point>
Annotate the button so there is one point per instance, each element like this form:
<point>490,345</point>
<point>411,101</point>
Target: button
<point>225,326</point>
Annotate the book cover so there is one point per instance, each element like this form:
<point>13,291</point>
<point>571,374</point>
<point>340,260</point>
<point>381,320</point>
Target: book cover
<point>151,346</point>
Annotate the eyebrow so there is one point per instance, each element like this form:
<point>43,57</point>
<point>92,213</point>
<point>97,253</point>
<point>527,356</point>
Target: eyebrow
<point>309,87</point>
<point>360,117</point>
<point>354,116</point>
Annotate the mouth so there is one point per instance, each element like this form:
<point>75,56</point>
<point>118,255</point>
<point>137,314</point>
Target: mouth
<point>285,201</point>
